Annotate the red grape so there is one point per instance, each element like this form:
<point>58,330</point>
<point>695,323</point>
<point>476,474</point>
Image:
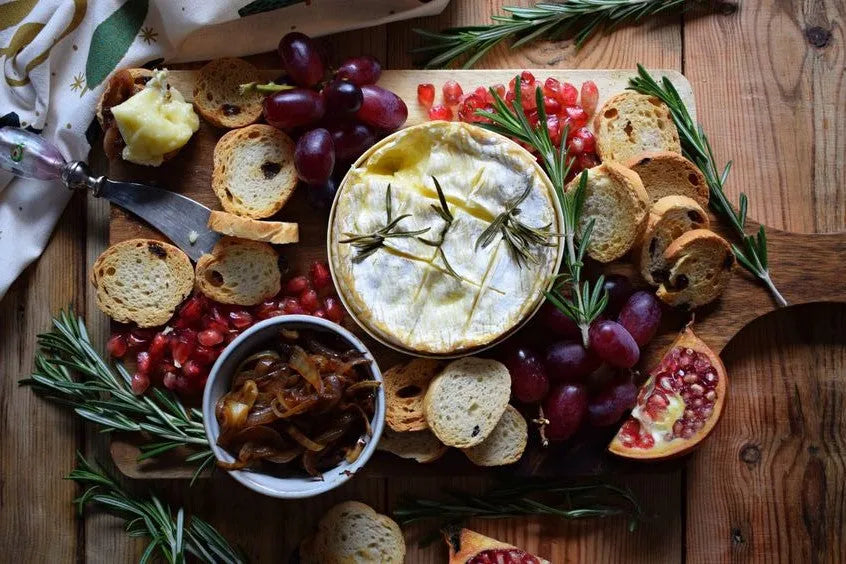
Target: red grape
<point>341,98</point>
<point>569,361</point>
<point>382,108</point>
<point>619,289</point>
<point>528,377</point>
<point>565,408</point>
<point>301,59</point>
<point>351,140</point>
<point>314,156</point>
<point>557,321</point>
<point>293,108</point>
<point>641,316</point>
<point>613,344</point>
<point>607,407</point>
<point>320,196</point>
<point>360,70</point>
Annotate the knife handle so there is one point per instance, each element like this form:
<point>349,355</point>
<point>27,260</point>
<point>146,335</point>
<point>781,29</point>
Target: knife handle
<point>29,155</point>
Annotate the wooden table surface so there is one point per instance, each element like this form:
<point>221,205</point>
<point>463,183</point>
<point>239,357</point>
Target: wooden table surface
<point>770,484</point>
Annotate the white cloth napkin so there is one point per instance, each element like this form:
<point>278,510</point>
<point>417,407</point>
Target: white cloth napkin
<point>56,55</point>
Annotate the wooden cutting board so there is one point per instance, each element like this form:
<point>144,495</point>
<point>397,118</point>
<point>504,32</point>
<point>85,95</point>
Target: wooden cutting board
<point>805,267</point>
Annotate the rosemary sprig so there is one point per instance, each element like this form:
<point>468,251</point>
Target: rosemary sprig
<point>265,88</point>
<point>171,537</point>
<point>587,300</point>
<point>105,397</point>
<point>696,147</point>
<point>555,499</point>
<point>581,18</point>
<point>372,242</point>
<point>443,211</point>
<point>518,237</point>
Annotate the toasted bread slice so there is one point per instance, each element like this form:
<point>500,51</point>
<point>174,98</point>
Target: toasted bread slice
<point>254,171</point>
<point>353,532</point>
<point>700,267</point>
<point>465,401</point>
<point>669,174</point>
<point>122,84</point>
<point>631,123</point>
<point>505,444</point>
<point>617,204</point>
<point>405,388</point>
<point>217,96</point>
<point>142,281</point>
<point>276,232</point>
<point>239,272</point>
<point>669,218</point>
<point>422,446</point>
<point>465,544</point>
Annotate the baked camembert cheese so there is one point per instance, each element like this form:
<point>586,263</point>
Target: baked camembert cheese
<point>456,296</point>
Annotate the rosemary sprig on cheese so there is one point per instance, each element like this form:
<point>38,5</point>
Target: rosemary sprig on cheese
<point>697,148</point>
<point>369,243</point>
<point>586,300</point>
<point>518,237</point>
<point>443,211</point>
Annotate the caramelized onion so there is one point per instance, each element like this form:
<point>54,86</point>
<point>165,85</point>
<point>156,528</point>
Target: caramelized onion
<point>302,363</point>
<point>298,436</point>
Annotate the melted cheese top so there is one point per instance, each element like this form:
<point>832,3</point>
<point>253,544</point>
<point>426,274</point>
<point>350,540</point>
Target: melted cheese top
<point>403,293</point>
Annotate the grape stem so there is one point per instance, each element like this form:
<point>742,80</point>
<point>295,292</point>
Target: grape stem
<point>267,88</point>
<point>542,422</point>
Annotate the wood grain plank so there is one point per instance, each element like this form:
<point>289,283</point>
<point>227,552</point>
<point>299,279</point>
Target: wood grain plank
<point>39,439</point>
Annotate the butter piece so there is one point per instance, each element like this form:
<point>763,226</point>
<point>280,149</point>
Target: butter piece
<point>154,122</point>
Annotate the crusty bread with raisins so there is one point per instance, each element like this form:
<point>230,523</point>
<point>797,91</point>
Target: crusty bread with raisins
<point>669,218</point>
<point>631,123</point>
<point>218,97</point>
<point>701,264</point>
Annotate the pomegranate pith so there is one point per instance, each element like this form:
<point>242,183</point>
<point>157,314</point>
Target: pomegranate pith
<point>678,405</point>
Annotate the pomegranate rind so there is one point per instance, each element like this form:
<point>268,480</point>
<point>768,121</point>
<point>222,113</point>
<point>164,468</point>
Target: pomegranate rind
<point>680,447</point>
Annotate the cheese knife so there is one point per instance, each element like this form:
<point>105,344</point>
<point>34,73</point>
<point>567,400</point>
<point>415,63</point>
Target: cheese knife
<point>181,219</point>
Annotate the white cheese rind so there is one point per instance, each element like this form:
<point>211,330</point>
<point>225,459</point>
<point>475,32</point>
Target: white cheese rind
<point>403,294</point>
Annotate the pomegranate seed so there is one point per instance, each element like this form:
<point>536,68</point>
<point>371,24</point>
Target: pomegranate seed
<point>482,94</point>
<point>240,319</point>
<point>526,76</point>
<point>552,88</point>
<point>144,364</point>
<point>192,369</point>
<point>216,326</point>
<point>529,98</point>
<point>590,96</point>
<point>296,285</point>
<point>500,90</point>
<point>440,112</point>
<point>139,383</point>
<point>577,115</point>
<point>291,306</point>
<point>320,313</point>
<point>577,146</point>
<point>309,301</point>
<point>133,342</point>
<point>426,94</point>
<point>452,92</point>
<point>467,109</point>
<point>210,337</point>
<point>553,125</point>
<point>158,346</point>
<point>193,309</point>
<point>169,381</point>
<point>588,160</point>
<point>569,95</point>
<point>551,105</point>
<point>320,276</point>
<point>204,356</point>
<point>588,139</point>
<point>116,346</point>
<point>509,98</point>
<point>334,309</point>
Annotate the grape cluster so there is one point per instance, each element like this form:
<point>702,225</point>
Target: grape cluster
<point>336,119</point>
<point>575,384</point>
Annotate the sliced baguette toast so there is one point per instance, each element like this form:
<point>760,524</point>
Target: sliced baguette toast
<point>218,98</point>
<point>631,123</point>
<point>405,389</point>
<point>505,444</point>
<point>352,532</point>
<point>465,402</point>
<point>700,267</point>
<point>142,281</point>
<point>669,174</point>
<point>617,204</point>
<point>254,171</point>
<point>421,446</point>
<point>669,218</point>
<point>276,232</point>
<point>239,272</point>
<point>467,546</point>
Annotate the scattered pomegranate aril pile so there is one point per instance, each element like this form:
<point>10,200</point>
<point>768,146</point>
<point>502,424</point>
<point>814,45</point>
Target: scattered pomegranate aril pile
<point>180,355</point>
<point>576,385</point>
<point>503,556</point>
<point>679,404</point>
<point>565,107</point>
<point>336,117</point>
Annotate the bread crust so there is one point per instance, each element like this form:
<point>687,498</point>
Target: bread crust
<point>420,446</point>
<point>276,232</point>
<point>489,451</point>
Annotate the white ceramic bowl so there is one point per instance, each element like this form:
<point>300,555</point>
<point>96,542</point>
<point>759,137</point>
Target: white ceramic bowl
<point>218,384</point>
